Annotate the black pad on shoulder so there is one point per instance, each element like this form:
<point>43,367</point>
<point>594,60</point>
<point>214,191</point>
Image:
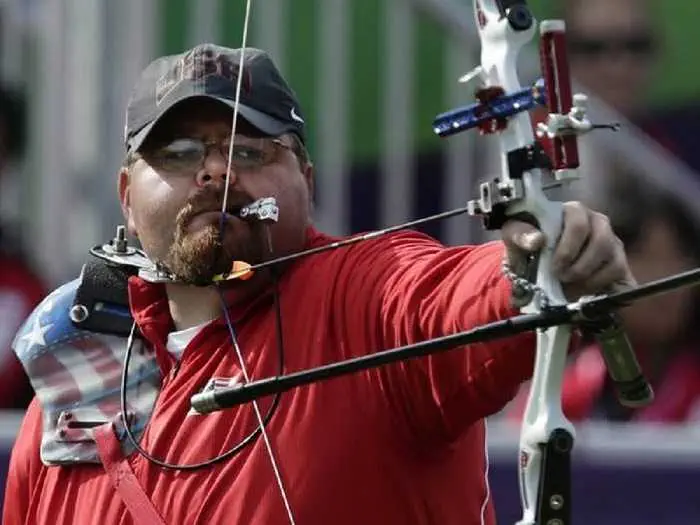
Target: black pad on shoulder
<point>102,299</point>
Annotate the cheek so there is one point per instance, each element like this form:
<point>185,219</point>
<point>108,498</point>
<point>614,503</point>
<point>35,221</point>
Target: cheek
<point>155,206</point>
<point>268,182</point>
<point>293,199</point>
<point>290,190</point>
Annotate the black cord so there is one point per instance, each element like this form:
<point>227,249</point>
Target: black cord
<point>271,411</point>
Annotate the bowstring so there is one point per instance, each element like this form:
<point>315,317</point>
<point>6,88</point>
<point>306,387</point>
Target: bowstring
<point>234,122</point>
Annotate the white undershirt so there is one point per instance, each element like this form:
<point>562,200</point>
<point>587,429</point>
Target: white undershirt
<point>178,341</point>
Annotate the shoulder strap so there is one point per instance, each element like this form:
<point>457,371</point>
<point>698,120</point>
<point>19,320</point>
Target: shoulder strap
<point>123,479</point>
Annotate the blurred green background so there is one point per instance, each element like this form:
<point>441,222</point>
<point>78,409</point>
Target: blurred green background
<point>676,18</point>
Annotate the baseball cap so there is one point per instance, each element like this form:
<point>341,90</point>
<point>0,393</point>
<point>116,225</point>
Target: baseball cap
<point>211,71</point>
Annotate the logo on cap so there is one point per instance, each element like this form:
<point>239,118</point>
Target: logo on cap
<point>198,64</point>
<point>293,114</point>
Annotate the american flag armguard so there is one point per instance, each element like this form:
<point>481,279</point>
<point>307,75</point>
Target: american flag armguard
<point>76,376</point>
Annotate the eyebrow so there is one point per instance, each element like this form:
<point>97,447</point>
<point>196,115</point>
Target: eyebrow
<point>166,134</point>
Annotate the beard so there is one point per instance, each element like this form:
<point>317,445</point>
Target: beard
<point>197,257</point>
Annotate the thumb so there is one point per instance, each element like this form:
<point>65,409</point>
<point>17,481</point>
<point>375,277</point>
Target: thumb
<point>521,239</point>
<point>520,236</point>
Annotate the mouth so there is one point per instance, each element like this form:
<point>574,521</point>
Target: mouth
<point>232,210</point>
<point>210,217</point>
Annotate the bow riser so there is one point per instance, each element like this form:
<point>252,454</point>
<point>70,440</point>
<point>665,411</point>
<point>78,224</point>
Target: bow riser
<point>546,435</point>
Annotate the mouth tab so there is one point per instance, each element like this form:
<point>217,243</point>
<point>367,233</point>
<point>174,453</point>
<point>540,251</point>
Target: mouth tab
<point>262,210</point>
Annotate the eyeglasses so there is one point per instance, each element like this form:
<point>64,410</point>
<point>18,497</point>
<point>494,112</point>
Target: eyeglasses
<point>188,154</point>
<point>641,45</point>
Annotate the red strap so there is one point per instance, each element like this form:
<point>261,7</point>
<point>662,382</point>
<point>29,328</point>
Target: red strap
<point>141,508</point>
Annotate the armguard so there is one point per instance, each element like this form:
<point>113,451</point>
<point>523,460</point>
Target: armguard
<point>72,347</point>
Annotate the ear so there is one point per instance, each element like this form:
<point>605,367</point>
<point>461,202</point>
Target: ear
<point>308,172</point>
<point>125,200</point>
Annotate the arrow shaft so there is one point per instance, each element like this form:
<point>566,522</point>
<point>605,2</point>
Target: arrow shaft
<point>218,400</point>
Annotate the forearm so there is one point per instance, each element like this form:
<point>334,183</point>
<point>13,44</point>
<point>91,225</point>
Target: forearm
<point>460,289</point>
<point>409,289</point>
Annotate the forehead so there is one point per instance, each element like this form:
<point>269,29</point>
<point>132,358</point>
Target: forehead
<point>605,16</point>
<point>200,117</point>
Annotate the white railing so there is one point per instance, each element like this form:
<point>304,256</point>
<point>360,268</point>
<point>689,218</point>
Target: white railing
<point>613,443</point>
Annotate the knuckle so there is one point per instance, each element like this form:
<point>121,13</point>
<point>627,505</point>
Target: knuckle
<point>620,259</point>
<point>564,258</point>
<point>603,232</point>
<point>578,214</point>
<point>618,249</point>
<point>572,209</point>
<point>579,228</point>
<point>619,244</point>
<point>576,221</point>
<point>602,220</point>
<point>575,274</point>
<point>574,205</point>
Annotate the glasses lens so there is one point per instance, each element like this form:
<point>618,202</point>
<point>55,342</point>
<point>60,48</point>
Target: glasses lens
<point>640,45</point>
<point>180,154</point>
<point>244,156</point>
<point>186,154</point>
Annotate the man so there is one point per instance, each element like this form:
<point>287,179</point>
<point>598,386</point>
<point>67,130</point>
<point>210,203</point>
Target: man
<point>399,444</point>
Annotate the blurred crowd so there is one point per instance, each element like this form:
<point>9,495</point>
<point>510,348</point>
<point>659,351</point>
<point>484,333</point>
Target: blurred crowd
<point>615,49</point>
<point>21,284</point>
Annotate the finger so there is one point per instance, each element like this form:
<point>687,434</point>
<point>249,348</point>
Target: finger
<point>522,235</point>
<point>609,277</point>
<point>574,236</point>
<point>601,248</point>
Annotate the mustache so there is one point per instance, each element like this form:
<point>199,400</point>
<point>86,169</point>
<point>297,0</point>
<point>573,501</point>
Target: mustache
<point>208,200</point>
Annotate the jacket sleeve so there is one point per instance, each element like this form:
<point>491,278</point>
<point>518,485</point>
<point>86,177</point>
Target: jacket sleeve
<point>24,469</point>
<point>20,293</point>
<point>409,288</point>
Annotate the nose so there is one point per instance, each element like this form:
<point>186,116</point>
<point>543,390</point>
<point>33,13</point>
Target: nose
<point>213,170</point>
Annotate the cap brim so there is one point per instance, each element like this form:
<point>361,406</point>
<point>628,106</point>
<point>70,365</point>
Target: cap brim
<point>264,123</point>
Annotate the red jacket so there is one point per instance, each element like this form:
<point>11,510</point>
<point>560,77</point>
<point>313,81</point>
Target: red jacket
<point>403,444</point>
<point>20,291</point>
<point>676,392</point>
